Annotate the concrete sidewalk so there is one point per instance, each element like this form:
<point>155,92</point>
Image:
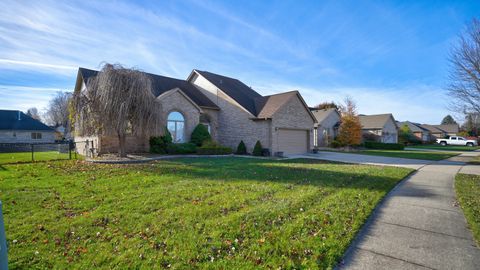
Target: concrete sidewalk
<point>419,225</point>
<point>366,159</point>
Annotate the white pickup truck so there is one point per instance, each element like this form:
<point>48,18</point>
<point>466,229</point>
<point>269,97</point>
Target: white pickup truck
<point>455,140</point>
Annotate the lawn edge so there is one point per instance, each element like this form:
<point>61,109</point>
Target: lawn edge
<point>351,247</point>
<point>477,241</point>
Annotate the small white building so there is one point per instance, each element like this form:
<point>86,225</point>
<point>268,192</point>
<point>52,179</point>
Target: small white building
<point>17,127</point>
<point>382,127</point>
<point>327,127</point>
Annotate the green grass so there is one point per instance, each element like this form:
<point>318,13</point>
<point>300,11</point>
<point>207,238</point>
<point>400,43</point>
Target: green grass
<point>408,154</point>
<point>445,148</point>
<point>215,213</point>
<point>23,157</point>
<point>468,193</point>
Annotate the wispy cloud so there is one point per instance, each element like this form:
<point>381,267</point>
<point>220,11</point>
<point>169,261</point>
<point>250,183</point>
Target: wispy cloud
<point>374,51</point>
<point>24,97</point>
<point>36,65</point>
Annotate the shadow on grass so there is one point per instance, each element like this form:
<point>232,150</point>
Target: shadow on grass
<point>297,172</point>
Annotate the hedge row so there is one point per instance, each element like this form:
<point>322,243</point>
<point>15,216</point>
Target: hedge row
<point>385,146</point>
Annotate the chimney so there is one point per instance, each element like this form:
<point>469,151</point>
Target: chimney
<point>19,116</point>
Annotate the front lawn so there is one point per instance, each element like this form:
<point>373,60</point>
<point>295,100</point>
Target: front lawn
<point>408,154</point>
<point>216,213</point>
<point>22,157</point>
<point>468,193</point>
<point>445,148</point>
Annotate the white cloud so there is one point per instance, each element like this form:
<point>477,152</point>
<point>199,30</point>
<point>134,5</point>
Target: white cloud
<point>23,97</point>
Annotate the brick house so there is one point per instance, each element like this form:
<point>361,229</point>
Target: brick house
<point>381,126</point>
<point>326,129</point>
<point>418,130</point>
<point>442,131</point>
<point>231,110</point>
<point>18,127</point>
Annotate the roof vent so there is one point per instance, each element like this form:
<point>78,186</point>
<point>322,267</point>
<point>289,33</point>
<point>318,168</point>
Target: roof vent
<point>221,81</point>
<point>19,116</point>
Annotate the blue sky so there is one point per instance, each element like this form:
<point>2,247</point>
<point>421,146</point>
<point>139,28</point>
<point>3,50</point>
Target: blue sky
<point>390,56</point>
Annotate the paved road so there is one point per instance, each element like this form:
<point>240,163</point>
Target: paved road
<point>366,159</point>
<point>419,224</point>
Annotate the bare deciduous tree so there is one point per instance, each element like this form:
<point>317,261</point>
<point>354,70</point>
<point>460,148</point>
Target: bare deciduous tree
<point>33,112</point>
<point>464,87</point>
<point>57,112</point>
<point>118,101</point>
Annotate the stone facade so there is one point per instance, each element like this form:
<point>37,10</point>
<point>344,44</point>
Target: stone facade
<point>25,136</point>
<point>234,122</point>
<point>175,101</point>
<point>229,124</point>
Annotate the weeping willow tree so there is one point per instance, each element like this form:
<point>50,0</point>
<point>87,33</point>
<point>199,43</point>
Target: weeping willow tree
<point>118,101</point>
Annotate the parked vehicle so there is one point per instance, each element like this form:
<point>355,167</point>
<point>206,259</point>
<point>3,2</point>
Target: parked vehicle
<point>455,140</point>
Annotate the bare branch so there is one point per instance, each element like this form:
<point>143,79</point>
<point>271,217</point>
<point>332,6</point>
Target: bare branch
<point>118,101</point>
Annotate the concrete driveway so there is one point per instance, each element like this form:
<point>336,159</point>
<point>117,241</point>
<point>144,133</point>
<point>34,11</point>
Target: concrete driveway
<point>418,225</point>
<point>366,159</point>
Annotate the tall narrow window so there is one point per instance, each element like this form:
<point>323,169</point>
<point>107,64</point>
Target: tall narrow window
<point>176,126</point>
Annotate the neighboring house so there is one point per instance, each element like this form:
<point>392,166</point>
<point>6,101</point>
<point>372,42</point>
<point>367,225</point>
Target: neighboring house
<point>442,131</point>
<point>326,129</point>
<point>450,130</point>
<point>231,110</point>
<point>381,126</point>
<point>18,127</point>
<point>420,132</point>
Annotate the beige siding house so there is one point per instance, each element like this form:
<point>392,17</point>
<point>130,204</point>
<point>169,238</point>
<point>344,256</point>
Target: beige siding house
<point>326,129</point>
<point>382,127</point>
<point>17,127</point>
<point>231,110</point>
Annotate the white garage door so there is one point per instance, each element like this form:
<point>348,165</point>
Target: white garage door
<point>292,142</point>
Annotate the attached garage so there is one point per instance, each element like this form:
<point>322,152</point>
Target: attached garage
<point>292,141</point>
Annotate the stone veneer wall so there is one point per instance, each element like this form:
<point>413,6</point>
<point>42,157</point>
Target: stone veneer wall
<point>234,122</point>
<point>177,102</point>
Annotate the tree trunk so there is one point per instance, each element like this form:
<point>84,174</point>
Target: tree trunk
<point>121,145</point>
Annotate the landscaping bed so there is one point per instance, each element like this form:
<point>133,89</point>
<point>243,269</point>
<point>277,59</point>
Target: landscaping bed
<point>467,188</point>
<point>188,213</point>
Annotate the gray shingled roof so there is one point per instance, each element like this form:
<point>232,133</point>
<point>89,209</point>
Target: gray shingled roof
<point>374,121</point>
<point>448,128</point>
<point>321,114</point>
<point>17,120</point>
<point>162,84</point>
<point>414,127</point>
<point>432,128</point>
<point>241,93</point>
<point>268,105</point>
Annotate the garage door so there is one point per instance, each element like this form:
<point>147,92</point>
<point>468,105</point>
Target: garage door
<point>292,142</point>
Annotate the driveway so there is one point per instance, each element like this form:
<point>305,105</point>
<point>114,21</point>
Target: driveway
<point>418,225</point>
<point>366,159</point>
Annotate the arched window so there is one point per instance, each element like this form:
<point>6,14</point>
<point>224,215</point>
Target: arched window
<point>176,124</point>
